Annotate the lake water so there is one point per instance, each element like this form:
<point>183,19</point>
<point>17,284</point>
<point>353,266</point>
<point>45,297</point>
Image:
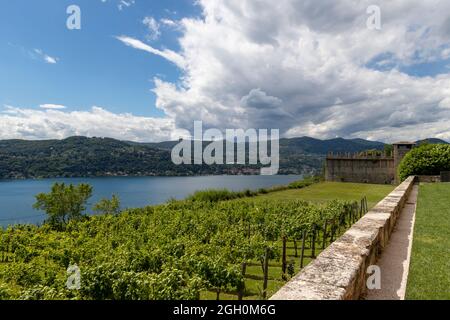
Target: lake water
<point>17,197</point>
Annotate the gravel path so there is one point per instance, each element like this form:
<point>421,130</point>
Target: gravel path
<point>394,261</point>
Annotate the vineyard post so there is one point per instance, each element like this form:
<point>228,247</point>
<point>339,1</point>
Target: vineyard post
<point>303,249</point>
<point>333,230</point>
<point>365,203</point>
<point>7,247</point>
<point>362,207</point>
<point>266,272</point>
<point>349,215</point>
<point>324,240</point>
<point>295,248</point>
<point>241,288</point>
<point>313,247</point>
<point>360,210</point>
<point>284,262</point>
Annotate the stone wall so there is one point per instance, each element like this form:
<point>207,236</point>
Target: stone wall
<point>339,272</point>
<point>360,168</point>
<point>367,167</point>
<point>429,179</point>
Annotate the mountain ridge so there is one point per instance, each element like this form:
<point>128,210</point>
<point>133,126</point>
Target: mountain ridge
<point>79,156</point>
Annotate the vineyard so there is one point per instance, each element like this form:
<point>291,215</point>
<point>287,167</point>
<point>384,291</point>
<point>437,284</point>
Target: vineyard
<point>236,249</point>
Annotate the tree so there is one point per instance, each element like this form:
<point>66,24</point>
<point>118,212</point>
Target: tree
<point>106,206</point>
<point>427,159</point>
<point>64,203</point>
<point>389,149</point>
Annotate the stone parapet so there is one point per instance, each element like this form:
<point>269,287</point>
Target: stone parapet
<point>339,272</point>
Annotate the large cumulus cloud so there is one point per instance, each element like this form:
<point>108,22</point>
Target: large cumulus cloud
<point>307,67</point>
<point>313,68</point>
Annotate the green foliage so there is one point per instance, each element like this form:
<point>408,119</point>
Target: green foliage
<point>389,149</point>
<point>427,159</point>
<point>4,292</point>
<point>64,203</point>
<point>170,251</point>
<point>94,157</point>
<point>106,206</point>
<point>40,292</point>
<point>306,182</point>
<point>216,195</point>
<point>291,268</point>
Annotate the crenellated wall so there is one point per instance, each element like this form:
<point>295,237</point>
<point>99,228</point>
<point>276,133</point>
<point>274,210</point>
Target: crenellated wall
<point>366,167</point>
<point>360,168</point>
<point>339,272</point>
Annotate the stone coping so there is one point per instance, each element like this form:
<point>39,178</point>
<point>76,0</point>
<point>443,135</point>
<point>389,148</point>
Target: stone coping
<point>339,272</point>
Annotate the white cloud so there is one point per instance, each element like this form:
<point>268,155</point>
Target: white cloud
<point>52,106</point>
<point>169,22</point>
<point>304,66</point>
<point>125,4</point>
<point>122,4</point>
<point>166,54</point>
<point>152,25</point>
<point>311,58</point>
<point>45,57</point>
<point>34,124</point>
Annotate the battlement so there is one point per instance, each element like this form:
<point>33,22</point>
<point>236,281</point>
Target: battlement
<point>368,167</point>
<point>360,155</point>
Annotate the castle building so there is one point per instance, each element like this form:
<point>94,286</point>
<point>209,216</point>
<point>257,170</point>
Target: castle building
<point>367,167</point>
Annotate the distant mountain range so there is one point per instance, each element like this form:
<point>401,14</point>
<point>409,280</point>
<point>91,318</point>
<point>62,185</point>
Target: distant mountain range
<point>90,157</point>
<point>432,141</point>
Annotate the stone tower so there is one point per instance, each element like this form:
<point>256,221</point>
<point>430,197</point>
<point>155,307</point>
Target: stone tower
<point>400,150</point>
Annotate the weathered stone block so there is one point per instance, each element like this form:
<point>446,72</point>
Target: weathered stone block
<point>297,289</point>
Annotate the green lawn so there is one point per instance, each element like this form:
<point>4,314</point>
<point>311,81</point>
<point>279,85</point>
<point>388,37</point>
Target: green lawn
<point>327,191</point>
<point>318,193</point>
<point>429,274</point>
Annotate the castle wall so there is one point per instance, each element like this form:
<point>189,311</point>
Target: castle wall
<point>360,168</point>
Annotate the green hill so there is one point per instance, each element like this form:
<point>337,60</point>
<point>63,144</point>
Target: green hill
<point>83,157</point>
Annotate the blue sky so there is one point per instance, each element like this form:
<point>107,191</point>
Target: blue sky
<point>93,67</point>
<point>145,70</point>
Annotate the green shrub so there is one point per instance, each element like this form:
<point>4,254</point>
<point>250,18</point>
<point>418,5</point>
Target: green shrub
<point>213,195</point>
<point>216,195</point>
<point>4,292</point>
<point>428,159</point>
<point>306,182</point>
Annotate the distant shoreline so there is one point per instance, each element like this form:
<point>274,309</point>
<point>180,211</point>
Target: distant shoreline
<point>145,176</point>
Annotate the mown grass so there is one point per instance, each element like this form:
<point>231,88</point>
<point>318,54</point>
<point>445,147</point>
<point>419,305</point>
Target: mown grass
<point>429,274</point>
<point>321,192</point>
<point>327,191</point>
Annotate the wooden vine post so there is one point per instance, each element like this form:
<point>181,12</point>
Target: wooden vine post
<point>266,273</point>
<point>313,245</point>
<point>302,254</point>
<point>324,240</point>
<point>284,258</point>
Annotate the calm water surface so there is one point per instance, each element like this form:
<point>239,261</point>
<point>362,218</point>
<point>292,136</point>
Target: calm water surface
<point>17,197</point>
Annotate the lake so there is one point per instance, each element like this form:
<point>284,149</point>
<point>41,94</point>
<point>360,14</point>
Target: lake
<point>17,196</point>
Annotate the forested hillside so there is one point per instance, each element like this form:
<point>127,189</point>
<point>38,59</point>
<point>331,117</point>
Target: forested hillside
<point>90,157</point>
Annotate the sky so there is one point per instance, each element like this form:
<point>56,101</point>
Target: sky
<point>145,70</point>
